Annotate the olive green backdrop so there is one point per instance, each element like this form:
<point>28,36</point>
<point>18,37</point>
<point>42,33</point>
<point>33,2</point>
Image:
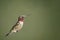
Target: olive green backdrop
<point>43,24</point>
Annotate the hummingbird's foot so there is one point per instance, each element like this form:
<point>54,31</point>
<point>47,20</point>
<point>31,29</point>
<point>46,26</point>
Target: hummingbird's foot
<point>17,31</point>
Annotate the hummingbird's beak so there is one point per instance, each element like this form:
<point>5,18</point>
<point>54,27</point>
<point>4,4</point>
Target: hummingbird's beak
<point>23,15</point>
<point>26,15</point>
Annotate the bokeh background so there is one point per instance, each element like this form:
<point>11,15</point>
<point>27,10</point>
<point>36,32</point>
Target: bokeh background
<point>43,24</point>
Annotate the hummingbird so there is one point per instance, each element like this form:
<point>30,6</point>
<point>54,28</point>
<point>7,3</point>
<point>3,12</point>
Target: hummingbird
<point>18,26</point>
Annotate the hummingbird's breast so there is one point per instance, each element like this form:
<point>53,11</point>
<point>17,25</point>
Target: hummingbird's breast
<point>21,23</point>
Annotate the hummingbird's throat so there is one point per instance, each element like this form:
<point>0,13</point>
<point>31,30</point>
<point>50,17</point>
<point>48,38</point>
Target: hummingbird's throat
<point>21,19</point>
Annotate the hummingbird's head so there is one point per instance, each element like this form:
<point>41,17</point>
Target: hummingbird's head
<point>21,18</point>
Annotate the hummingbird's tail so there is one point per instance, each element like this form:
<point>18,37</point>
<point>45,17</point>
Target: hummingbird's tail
<point>8,34</point>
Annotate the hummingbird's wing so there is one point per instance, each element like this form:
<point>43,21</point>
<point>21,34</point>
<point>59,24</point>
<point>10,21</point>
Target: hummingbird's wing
<point>14,29</point>
<point>14,26</point>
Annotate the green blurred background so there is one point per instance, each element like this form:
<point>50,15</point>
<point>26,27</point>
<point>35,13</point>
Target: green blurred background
<point>43,24</point>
